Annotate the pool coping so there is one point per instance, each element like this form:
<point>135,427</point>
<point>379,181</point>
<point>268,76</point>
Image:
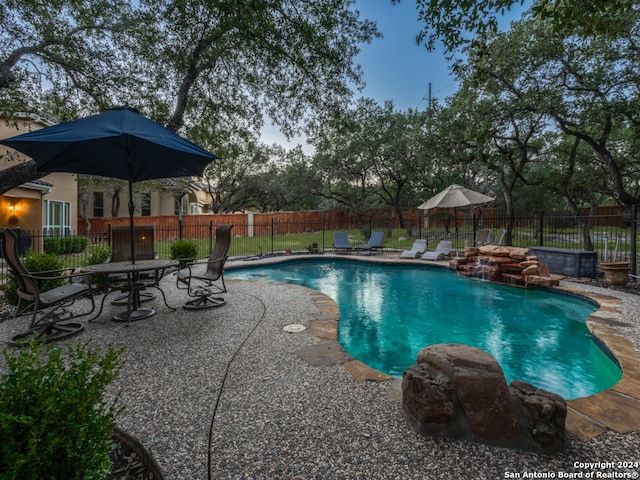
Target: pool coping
<point>616,409</point>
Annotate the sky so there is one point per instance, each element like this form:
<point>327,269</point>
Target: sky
<point>395,68</point>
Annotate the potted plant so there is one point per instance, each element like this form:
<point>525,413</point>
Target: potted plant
<point>616,273</point>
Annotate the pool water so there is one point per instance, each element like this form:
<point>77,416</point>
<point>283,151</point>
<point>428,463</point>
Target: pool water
<point>388,313</point>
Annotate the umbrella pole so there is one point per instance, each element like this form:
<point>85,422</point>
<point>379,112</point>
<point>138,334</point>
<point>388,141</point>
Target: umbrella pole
<point>132,236</point>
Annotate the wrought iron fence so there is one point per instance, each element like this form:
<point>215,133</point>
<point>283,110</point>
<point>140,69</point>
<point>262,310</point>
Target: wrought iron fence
<point>613,237</point>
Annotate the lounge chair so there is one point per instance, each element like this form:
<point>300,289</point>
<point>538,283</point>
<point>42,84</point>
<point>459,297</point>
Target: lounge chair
<point>442,250</point>
<point>341,242</point>
<point>54,324</point>
<point>375,243</point>
<point>203,286</point>
<point>482,237</point>
<point>498,238</point>
<point>417,249</point>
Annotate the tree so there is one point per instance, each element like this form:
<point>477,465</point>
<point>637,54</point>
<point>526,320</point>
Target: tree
<point>65,44</point>
<point>569,174</point>
<point>284,58</point>
<point>462,23</point>
<point>205,69</point>
<point>569,81</point>
<point>284,184</point>
<point>400,154</point>
<point>227,178</point>
<point>343,162</point>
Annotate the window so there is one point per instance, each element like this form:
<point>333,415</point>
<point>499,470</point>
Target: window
<point>146,205</point>
<point>98,204</point>
<point>57,218</point>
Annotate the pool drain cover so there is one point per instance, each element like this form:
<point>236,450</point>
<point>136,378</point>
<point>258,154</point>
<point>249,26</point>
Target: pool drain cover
<point>294,328</point>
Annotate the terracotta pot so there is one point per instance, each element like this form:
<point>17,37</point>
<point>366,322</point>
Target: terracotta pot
<point>616,273</point>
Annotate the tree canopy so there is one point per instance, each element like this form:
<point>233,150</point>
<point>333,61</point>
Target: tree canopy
<point>461,23</point>
<point>201,68</point>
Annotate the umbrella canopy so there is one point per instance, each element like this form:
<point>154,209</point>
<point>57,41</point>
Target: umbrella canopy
<point>118,143</point>
<point>455,196</point>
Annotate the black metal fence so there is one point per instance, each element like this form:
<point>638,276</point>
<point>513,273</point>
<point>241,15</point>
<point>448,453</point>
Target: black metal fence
<point>613,237</point>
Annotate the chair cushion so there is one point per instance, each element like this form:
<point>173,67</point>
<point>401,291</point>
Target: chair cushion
<point>64,292</point>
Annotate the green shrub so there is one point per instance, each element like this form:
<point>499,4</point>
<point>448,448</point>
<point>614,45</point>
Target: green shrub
<point>34,263</point>
<point>76,244</point>
<point>54,421</point>
<point>98,255</point>
<point>184,249</point>
<point>53,245</point>
<point>62,245</point>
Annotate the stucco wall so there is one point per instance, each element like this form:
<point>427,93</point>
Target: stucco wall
<point>27,203</point>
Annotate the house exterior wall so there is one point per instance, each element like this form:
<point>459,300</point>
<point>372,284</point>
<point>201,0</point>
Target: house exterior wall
<point>24,207</point>
<point>162,202</point>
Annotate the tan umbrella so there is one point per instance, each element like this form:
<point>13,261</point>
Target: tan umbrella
<point>455,196</point>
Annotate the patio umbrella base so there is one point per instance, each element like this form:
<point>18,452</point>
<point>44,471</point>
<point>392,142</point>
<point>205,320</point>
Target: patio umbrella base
<point>144,297</point>
<point>134,315</point>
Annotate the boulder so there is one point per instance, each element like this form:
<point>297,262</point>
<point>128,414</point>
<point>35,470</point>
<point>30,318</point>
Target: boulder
<point>455,263</point>
<point>496,260</point>
<point>528,263</point>
<point>542,281</point>
<point>519,253</point>
<point>542,415</point>
<point>495,251</point>
<point>460,391</point>
<point>531,270</point>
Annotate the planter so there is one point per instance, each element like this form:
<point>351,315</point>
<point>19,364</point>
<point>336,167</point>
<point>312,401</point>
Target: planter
<point>616,273</point>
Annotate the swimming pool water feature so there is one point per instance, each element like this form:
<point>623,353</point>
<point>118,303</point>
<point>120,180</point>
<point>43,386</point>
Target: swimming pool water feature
<point>388,313</point>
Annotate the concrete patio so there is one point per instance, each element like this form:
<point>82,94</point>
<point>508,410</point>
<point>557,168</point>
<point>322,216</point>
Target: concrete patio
<point>227,393</point>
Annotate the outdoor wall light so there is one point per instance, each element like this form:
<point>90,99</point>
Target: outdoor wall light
<point>13,218</point>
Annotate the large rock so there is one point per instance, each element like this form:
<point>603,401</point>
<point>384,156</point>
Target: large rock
<point>542,415</point>
<point>460,391</point>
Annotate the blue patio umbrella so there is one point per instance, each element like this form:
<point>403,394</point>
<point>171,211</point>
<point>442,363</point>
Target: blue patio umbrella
<point>118,143</point>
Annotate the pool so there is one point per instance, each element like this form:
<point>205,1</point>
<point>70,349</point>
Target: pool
<point>388,313</point>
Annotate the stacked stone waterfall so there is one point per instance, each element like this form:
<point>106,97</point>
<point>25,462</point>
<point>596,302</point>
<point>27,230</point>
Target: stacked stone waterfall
<point>510,265</point>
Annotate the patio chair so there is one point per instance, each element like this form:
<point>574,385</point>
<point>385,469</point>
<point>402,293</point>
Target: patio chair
<point>497,240</point>
<point>443,249</point>
<point>55,323</point>
<point>341,242</point>
<point>417,249</point>
<point>143,239</point>
<point>374,243</point>
<point>204,286</point>
<point>482,237</point>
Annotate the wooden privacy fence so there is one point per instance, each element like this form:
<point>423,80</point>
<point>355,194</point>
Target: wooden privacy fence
<point>245,224</point>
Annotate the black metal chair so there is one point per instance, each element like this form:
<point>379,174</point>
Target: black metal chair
<point>55,323</point>
<point>206,285</point>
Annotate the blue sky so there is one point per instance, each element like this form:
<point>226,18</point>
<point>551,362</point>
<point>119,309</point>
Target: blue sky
<point>395,68</point>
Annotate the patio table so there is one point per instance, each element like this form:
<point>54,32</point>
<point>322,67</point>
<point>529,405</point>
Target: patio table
<point>129,279</point>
